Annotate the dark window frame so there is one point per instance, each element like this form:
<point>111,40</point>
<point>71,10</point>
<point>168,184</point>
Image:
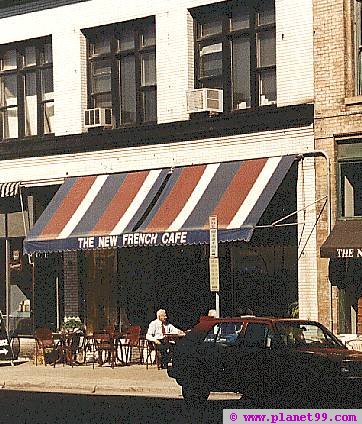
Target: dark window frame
<point>224,11</point>
<point>358,46</point>
<point>349,152</point>
<point>115,55</point>
<point>342,202</point>
<point>21,71</point>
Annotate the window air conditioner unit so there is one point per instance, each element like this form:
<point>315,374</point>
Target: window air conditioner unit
<point>98,117</point>
<point>205,100</point>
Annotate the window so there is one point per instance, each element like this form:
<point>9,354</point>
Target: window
<point>350,179</point>
<point>224,333</point>
<point>26,89</point>
<point>358,46</point>
<point>256,335</point>
<point>122,71</point>
<point>236,52</point>
<point>351,188</point>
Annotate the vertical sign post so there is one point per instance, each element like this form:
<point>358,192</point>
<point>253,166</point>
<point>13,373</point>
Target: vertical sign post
<point>214,262</point>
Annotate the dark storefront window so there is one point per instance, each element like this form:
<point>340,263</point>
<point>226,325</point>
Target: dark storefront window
<point>351,189</point>
<point>122,71</point>
<point>349,185</point>
<point>26,89</point>
<point>236,52</point>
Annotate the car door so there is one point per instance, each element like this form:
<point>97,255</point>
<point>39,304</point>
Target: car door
<point>250,359</point>
<point>217,352</point>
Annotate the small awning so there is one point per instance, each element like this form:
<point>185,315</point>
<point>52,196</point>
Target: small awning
<point>345,240</point>
<point>9,189</point>
<point>158,207</point>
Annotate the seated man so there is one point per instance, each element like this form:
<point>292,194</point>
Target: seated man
<point>156,333</point>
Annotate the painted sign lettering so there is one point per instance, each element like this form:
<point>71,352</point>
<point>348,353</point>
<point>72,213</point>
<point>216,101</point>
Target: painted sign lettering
<point>349,253</point>
<point>133,239</point>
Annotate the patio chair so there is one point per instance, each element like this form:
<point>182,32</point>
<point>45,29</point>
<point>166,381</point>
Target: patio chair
<point>131,342</point>
<point>153,355</point>
<point>46,346</point>
<point>104,345</point>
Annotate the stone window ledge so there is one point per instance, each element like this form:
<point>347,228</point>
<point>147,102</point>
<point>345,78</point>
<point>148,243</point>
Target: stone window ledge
<point>355,100</point>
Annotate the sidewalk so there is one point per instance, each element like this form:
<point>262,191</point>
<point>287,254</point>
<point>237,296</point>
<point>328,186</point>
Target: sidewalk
<point>132,380</point>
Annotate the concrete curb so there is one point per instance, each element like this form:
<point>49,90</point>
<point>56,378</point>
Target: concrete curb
<point>92,389</point>
<point>132,380</point>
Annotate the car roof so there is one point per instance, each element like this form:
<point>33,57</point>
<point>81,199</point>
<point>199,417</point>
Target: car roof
<point>208,322</point>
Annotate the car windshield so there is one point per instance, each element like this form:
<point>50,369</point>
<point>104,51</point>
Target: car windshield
<point>295,334</point>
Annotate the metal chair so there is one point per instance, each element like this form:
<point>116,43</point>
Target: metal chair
<point>132,341</point>
<point>104,345</point>
<point>46,346</point>
<point>153,356</point>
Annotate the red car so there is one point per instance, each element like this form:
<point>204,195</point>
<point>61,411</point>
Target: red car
<point>267,359</point>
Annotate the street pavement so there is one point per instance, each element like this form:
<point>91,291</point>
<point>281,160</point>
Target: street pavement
<point>131,380</point>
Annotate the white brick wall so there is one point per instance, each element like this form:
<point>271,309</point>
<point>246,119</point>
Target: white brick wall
<point>294,24</point>
<point>307,243</point>
<point>67,82</point>
<point>172,65</point>
<point>174,51</point>
<point>247,146</point>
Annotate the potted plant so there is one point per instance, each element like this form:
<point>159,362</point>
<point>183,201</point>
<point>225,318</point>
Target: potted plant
<point>72,325</point>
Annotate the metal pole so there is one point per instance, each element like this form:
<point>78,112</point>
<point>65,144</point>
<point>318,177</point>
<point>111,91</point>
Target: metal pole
<point>57,301</point>
<point>217,304</point>
<point>7,275</point>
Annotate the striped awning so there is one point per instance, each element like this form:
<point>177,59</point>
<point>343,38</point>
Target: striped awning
<point>9,189</point>
<point>158,207</point>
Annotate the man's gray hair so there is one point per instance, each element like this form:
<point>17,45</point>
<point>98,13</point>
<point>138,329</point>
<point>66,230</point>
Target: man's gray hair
<point>160,312</point>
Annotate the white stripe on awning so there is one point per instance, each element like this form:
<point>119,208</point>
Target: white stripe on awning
<point>258,187</point>
<point>83,207</point>
<point>195,197</point>
<point>9,189</point>
<point>136,202</point>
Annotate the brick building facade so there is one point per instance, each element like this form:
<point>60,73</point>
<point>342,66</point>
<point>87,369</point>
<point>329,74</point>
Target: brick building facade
<point>338,127</point>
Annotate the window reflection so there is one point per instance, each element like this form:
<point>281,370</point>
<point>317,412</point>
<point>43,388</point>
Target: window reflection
<point>241,73</point>
<point>148,69</point>
<point>239,19</point>
<point>266,12</point>
<point>31,104</point>
<point>30,56</point>
<point>128,90</point>
<point>268,89</point>
<point>26,90</point>
<point>211,60</point>
<point>266,49</point>
<point>237,52</point>
<point>8,61</point>
<point>351,189</point>
<point>123,71</point>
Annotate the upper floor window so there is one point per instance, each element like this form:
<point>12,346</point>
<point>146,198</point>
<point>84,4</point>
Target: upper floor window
<point>122,71</point>
<point>350,180</point>
<point>236,52</point>
<point>26,89</point>
<point>358,46</point>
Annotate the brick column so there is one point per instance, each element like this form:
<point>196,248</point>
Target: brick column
<point>71,285</point>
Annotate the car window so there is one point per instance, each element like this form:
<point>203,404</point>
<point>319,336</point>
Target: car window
<point>305,334</point>
<point>224,333</point>
<point>257,335</point>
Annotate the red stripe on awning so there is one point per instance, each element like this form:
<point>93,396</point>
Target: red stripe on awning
<point>68,206</point>
<point>120,202</point>
<point>176,199</point>
<point>237,191</point>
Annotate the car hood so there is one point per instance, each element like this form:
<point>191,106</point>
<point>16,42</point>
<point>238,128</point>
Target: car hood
<point>335,354</point>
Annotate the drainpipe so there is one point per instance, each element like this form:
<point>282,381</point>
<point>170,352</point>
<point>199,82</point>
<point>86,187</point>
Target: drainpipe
<point>322,153</point>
